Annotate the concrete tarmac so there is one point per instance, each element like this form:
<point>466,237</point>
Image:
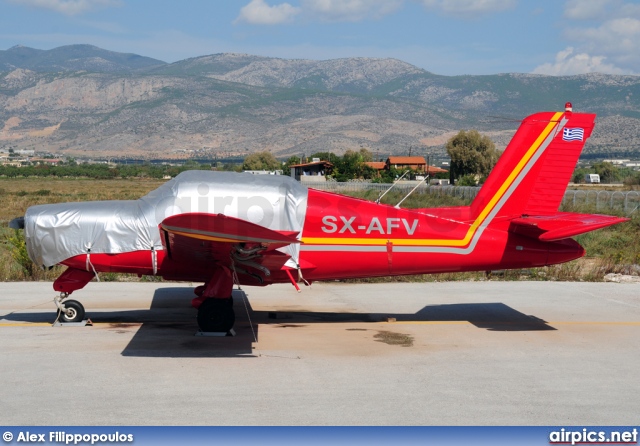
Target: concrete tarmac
<point>460,353</point>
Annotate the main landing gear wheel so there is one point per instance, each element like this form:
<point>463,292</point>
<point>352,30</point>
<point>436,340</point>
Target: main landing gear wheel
<point>73,311</point>
<point>216,315</point>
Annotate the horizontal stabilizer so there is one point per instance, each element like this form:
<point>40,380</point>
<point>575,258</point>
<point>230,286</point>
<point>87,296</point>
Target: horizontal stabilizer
<point>549,228</point>
<point>220,228</point>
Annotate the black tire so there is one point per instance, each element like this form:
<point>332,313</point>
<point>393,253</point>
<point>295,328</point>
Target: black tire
<point>216,315</point>
<point>74,311</point>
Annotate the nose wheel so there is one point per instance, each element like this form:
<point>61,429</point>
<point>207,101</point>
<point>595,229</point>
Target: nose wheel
<point>69,310</point>
<point>216,315</point>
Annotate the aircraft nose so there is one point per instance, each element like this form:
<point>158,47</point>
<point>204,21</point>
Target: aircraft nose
<point>56,232</point>
<point>17,223</point>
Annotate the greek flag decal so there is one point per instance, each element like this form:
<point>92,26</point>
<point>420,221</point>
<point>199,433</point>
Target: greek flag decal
<point>575,134</point>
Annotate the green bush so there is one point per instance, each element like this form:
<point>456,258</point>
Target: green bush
<point>19,252</point>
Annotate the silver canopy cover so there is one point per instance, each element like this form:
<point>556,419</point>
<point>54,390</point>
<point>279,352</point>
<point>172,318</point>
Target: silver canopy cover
<point>55,232</point>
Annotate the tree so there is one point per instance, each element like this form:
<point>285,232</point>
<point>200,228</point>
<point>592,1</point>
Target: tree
<point>632,180</point>
<point>471,154</point>
<point>389,175</point>
<point>466,180</point>
<point>579,174</point>
<point>261,161</point>
<point>365,155</point>
<point>352,165</point>
<point>290,162</point>
<point>607,171</point>
<point>326,156</point>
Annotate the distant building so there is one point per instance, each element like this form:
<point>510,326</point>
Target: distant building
<point>432,170</point>
<point>616,162</point>
<point>49,161</point>
<point>416,163</point>
<point>12,163</point>
<point>263,172</point>
<point>378,165</point>
<point>310,172</point>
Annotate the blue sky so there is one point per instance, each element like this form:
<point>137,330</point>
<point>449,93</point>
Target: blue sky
<point>451,37</point>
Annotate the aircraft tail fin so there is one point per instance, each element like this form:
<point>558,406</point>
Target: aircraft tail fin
<point>532,174</point>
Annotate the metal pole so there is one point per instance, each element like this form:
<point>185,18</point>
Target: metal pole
<point>397,206</point>
<point>394,183</point>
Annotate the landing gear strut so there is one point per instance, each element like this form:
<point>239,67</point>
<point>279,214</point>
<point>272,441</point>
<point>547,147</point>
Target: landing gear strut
<point>215,304</point>
<point>70,280</point>
<point>69,310</point>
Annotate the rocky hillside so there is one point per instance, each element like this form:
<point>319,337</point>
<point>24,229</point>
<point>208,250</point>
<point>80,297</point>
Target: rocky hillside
<point>86,101</point>
<point>355,75</point>
<point>73,58</point>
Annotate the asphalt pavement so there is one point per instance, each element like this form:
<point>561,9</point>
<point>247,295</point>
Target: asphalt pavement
<point>458,353</point>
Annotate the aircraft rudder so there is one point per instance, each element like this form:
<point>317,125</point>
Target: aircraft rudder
<point>533,172</point>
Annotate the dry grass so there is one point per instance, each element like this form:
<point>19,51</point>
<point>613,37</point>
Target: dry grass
<point>17,194</point>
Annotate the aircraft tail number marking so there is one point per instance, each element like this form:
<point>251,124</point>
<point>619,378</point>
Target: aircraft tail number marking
<point>332,224</point>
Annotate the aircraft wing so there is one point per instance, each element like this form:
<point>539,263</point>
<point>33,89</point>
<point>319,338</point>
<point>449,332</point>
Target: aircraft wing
<point>549,228</point>
<point>215,238</point>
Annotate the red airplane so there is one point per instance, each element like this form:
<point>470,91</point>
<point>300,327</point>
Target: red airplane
<point>225,228</point>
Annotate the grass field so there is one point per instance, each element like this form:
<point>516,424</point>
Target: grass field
<point>615,249</point>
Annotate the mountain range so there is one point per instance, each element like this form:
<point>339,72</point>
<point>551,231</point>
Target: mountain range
<point>85,101</point>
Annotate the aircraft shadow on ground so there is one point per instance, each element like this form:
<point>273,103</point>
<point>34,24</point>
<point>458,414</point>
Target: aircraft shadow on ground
<point>168,327</point>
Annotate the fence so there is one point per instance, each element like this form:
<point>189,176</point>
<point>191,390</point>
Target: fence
<point>627,201</point>
<point>466,192</point>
